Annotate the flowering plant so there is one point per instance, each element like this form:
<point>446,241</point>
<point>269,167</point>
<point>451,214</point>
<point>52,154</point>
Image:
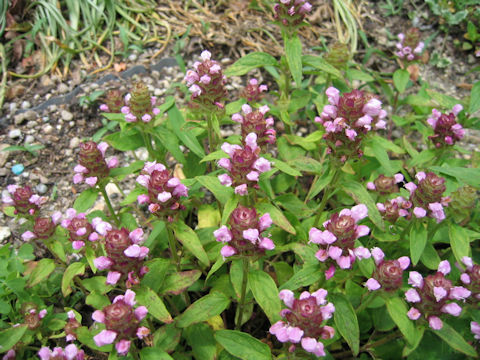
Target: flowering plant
<point>369,238</point>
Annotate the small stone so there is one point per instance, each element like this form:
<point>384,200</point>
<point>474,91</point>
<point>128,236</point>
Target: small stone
<point>45,119</point>
<point>74,143</point>
<point>31,124</point>
<point>157,92</point>
<point>68,152</point>
<point>132,57</point>
<point>112,190</point>
<point>47,129</point>
<point>3,154</point>
<point>15,133</point>
<point>13,107</point>
<point>3,171</point>
<point>26,105</point>
<point>46,81</point>
<point>63,88</point>
<point>5,233</point>
<point>29,139</point>
<point>66,115</point>
<point>25,174</point>
<point>41,188</point>
<point>18,169</point>
<point>52,108</point>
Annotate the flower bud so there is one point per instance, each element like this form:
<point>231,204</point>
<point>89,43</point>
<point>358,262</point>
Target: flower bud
<point>23,199</point>
<point>409,47</point>
<point>429,190</point>
<point>114,101</point>
<point>291,14</point>
<point>253,92</point>
<point>447,130</point>
<point>92,165</point>
<point>43,228</point>
<point>462,202</point>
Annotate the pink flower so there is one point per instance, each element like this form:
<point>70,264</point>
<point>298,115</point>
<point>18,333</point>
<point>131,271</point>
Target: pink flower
<point>105,337</point>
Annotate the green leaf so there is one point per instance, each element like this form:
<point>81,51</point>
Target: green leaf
<point>230,205</point>
<point>293,49</point>
<point>150,353</point>
<point>474,98</point>
<point>200,338</point>
<point>74,269</point>
<point>346,321</point>
<point>147,297</point>
<point>455,340</point>
<point>41,272</point>
<point>397,309</point>
<point>470,176</point>
<point>170,141</point>
<point>176,283</point>
<point>178,123</point>
<point>285,168</point>
<point>97,300</point>
<point>129,139</point>
<point>459,241</point>
<point>98,284</point>
<point>86,200</point>
<point>430,257</point>
<point>203,309</point>
<point>249,62</point>
<point>308,275</point>
<point>382,156</point>
<point>360,194</point>
<point>277,217</point>
<point>418,239</point>
<point>243,345</point>
<point>190,240</point>
<point>130,169</point>
<point>400,79</point>
<point>409,348</point>
<point>309,165</point>
<point>9,337</point>
<point>319,63</point>
<point>221,192</point>
<point>354,74</point>
<point>422,157</point>
<point>445,101</point>
<point>265,293</point>
<point>322,182</point>
<point>157,268</point>
<point>216,155</point>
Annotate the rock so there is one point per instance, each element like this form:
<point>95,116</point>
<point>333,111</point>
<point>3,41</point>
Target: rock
<point>63,88</point>
<point>29,139</point>
<point>3,171</point>
<point>26,105</point>
<point>41,188</point>
<point>112,190</point>
<point>5,233</point>
<point>132,57</point>
<point>47,129</point>
<point>31,124</point>
<point>99,205</point>
<point>13,107</point>
<point>66,115</point>
<point>46,81</point>
<point>15,133</point>
<point>74,143</point>
<point>27,115</point>
<point>3,154</point>
<point>18,169</point>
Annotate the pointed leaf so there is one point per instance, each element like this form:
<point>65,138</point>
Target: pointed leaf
<point>72,270</point>
<point>243,345</point>
<point>176,283</point>
<point>455,340</point>
<point>221,192</point>
<point>9,337</point>
<point>293,49</point>
<point>203,309</point>
<point>41,272</point>
<point>249,62</point>
<point>265,293</point>
<point>85,200</point>
<point>418,239</point>
<point>400,79</point>
<point>190,240</point>
<point>178,124</point>
<point>147,297</point>
<point>459,241</point>
<point>397,309</point>
<point>346,321</point>
<point>277,216</point>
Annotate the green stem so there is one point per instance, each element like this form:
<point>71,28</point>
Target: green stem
<point>243,294</point>
<point>173,247</point>
<point>148,143</point>
<point>365,302</point>
<point>326,195</point>
<point>109,205</point>
<point>381,341</point>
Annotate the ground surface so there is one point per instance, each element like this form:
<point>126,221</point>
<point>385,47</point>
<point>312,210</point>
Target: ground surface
<point>233,30</point>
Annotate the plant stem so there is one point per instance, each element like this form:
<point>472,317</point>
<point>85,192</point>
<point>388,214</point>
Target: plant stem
<point>243,294</point>
<point>365,302</point>
<point>148,143</point>
<point>109,205</point>
<point>326,195</point>
<point>173,247</point>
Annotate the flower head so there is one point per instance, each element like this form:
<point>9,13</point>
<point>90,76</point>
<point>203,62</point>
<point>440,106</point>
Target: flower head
<point>124,256</point>
<point>388,273</point>
<point>337,241</point>
<point>71,352</point>
<point>164,191</point>
<point>305,319</point>
<point>206,83</point>
<point>92,166</point>
<point>446,128</point>
<point>471,277</point>
<point>426,197</point>
<point>433,296</point>
<point>254,121</point>
<point>23,199</point>
<point>253,92</point>
<point>409,47</point>
<point>291,14</point>
<point>121,321</point>
<point>348,119</point>
<point>244,236</point>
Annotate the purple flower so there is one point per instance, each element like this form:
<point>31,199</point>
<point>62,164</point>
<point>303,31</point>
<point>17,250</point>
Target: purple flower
<point>304,320</point>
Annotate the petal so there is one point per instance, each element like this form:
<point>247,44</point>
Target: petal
<point>105,337</point>
<point>372,284</point>
<point>123,346</point>
<point>141,312</point>
<point>287,296</point>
